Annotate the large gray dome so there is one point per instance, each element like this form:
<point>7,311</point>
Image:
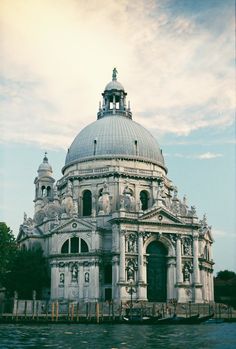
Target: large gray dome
<point>114,137</point>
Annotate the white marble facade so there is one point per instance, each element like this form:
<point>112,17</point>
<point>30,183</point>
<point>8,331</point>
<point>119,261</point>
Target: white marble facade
<point>114,221</point>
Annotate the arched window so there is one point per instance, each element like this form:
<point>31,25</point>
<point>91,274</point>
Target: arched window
<point>48,191</point>
<point>87,203</point>
<point>74,245</point>
<point>65,247</point>
<point>44,192</point>
<point>144,200</point>
<point>83,246</point>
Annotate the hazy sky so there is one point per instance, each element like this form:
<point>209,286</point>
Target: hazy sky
<point>176,61</point>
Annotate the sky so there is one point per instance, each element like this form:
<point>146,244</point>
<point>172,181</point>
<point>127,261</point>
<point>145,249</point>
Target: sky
<point>175,59</point>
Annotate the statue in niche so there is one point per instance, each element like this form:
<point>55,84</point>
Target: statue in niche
<point>86,277</point>
<point>62,278</point>
<point>187,247</point>
<point>187,270</point>
<point>74,273</point>
<point>130,272</point>
<point>131,243</point>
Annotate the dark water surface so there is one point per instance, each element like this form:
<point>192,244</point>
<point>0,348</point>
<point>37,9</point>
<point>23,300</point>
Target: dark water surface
<point>83,336</point>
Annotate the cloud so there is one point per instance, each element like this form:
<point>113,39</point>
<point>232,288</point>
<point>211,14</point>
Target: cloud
<point>208,155</point>
<point>203,156</point>
<point>223,233</point>
<point>56,60</point>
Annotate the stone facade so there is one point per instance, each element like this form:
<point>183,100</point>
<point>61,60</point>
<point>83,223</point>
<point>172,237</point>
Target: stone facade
<point>114,224</point>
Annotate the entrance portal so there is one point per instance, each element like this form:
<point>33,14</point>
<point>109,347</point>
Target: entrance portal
<point>156,272</point>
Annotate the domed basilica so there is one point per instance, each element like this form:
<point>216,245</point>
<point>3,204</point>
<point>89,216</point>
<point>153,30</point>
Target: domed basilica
<point>115,221</point>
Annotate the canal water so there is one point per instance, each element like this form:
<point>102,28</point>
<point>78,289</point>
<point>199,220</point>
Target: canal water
<point>107,336</point>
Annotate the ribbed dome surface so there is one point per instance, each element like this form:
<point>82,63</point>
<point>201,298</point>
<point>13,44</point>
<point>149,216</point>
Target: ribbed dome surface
<point>114,85</point>
<point>114,137</point>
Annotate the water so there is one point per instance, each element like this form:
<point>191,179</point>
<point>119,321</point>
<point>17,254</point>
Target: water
<point>82,336</point>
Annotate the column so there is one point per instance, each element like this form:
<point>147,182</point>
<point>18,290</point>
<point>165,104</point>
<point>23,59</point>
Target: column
<point>195,259</point>
<point>114,104</point>
<point>142,293</point>
<point>122,256</point>
<point>179,274</point>
<point>54,283</point>
<point>181,296</point>
<point>197,285</point>
<point>171,279</point>
<point>95,271</point>
<point>140,257</point>
<point>115,277</point>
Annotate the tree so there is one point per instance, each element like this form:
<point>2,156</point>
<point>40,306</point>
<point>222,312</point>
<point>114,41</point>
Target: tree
<point>8,249</point>
<point>225,287</point>
<point>29,272</point>
<point>226,275</point>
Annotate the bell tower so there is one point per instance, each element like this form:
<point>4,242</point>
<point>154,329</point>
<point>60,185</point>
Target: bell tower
<point>44,183</point>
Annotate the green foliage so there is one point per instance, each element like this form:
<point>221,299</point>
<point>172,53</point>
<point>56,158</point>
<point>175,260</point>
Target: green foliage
<point>226,275</point>
<point>8,249</point>
<point>225,287</point>
<point>28,272</point>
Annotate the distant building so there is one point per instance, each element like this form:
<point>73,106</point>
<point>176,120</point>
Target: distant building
<point>115,221</point>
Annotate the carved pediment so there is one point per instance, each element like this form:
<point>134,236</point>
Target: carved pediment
<point>73,224</point>
<point>160,215</point>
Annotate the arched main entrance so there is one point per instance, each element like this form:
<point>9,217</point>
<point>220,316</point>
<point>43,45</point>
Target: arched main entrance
<point>156,272</point>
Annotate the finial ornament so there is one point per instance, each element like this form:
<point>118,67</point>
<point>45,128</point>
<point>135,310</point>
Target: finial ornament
<point>45,159</point>
<point>114,74</point>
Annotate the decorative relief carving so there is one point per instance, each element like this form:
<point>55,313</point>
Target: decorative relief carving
<point>187,271</point>
<point>131,268</point>
<point>173,239</point>
<point>146,235</point>
<point>187,246</point>
<point>131,242</point>
<point>74,272</point>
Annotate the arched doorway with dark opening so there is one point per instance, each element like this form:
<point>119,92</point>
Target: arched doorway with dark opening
<point>156,272</point>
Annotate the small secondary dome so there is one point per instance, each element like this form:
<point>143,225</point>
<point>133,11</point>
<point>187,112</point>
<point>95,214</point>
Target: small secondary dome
<point>45,169</point>
<point>114,84</point>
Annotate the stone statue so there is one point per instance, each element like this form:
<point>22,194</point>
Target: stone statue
<point>67,205</point>
<point>86,277</point>
<point>187,247</point>
<point>104,201</point>
<point>25,217</point>
<point>74,273</point>
<point>129,201</point>
<point>114,74</point>
<point>130,272</point>
<point>187,270</point>
<point>62,278</point>
<point>131,243</point>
